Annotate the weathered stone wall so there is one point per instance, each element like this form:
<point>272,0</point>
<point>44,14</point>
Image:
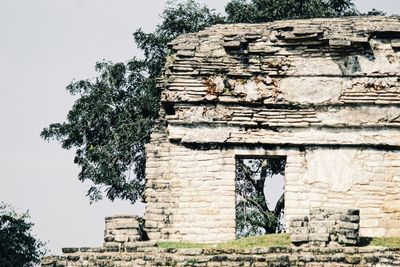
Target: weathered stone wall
<point>197,202</point>
<point>324,93</point>
<point>144,254</point>
<point>364,179</point>
<point>192,195</point>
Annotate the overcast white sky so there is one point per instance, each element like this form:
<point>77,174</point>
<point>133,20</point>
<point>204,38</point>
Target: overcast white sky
<point>44,44</point>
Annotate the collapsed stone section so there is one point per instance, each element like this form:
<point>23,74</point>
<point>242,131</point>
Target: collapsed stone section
<point>326,227</point>
<point>121,229</point>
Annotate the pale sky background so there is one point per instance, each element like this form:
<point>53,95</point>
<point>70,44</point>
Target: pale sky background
<point>44,44</point>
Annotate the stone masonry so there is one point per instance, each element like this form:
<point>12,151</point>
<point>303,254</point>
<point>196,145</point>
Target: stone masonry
<point>145,254</point>
<point>121,229</point>
<point>324,93</point>
<point>121,249</point>
<point>326,227</point>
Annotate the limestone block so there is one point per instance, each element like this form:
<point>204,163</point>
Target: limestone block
<point>314,67</point>
<point>395,232</point>
<point>369,223</point>
<point>392,206</point>
<point>328,225</point>
<point>299,230</point>
<point>349,226</point>
<point>299,238</point>
<point>373,232</point>
<point>122,229</point>
<point>318,237</point>
<point>348,241</point>
<point>349,218</point>
<point>343,165</point>
<point>294,223</point>
<point>311,90</point>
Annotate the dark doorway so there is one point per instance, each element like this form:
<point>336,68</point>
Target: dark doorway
<point>259,195</point>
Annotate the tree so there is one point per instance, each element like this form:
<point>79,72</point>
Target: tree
<point>176,19</point>
<point>257,11</point>
<point>18,247</point>
<point>108,125</point>
<point>112,117</point>
<point>374,12</point>
<point>253,216</point>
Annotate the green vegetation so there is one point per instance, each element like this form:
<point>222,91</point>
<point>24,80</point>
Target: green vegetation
<point>258,11</point>
<point>388,242</point>
<point>264,241</point>
<point>253,216</point>
<point>167,244</point>
<point>18,246</point>
<point>114,113</point>
<point>191,262</point>
<point>271,240</point>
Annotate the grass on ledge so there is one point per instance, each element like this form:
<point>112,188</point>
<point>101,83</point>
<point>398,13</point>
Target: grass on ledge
<point>168,244</point>
<point>274,240</point>
<point>271,240</point>
<point>388,242</point>
<point>264,241</point>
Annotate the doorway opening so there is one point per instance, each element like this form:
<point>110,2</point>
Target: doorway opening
<point>259,195</point>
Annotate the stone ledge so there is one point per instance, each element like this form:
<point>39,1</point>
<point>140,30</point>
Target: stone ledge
<point>153,256</point>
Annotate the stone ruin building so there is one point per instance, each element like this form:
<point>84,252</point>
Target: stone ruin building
<point>322,94</point>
